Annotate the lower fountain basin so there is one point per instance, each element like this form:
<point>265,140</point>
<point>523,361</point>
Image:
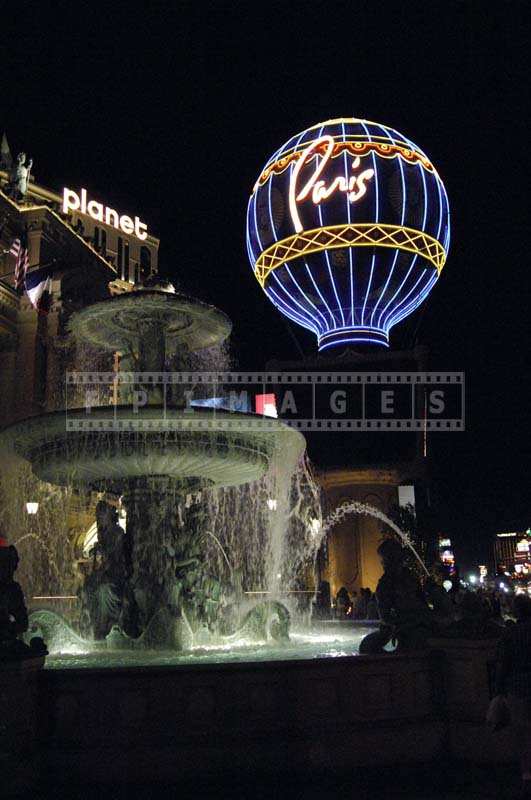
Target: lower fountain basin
<point>113,444</point>
<point>331,640</point>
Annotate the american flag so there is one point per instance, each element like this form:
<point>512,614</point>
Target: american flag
<point>19,249</point>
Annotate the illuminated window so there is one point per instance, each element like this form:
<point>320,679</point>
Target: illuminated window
<point>100,239</point>
<point>120,256</point>
<point>126,262</point>
<point>145,261</point>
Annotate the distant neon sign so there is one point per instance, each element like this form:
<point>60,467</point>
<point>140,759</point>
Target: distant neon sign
<point>72,201</point>
<point>355,187</point>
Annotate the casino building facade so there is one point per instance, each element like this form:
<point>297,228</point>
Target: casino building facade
<point>87,259</point>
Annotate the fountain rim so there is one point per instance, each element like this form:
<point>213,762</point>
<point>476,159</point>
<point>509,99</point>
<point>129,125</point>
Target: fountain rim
<point>154,412</point>
<point>267,440</point>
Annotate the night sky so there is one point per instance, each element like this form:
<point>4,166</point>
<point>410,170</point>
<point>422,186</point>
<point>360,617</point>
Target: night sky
<point>169,112</point>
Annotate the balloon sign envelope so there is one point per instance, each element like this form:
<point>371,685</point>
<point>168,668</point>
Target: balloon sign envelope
<point>348,230</point>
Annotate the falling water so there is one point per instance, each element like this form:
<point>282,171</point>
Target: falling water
<point>356,507</point>
<point>271,531</point>
<point>45,540</point>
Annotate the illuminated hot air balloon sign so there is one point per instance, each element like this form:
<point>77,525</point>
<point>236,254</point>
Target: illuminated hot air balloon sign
<point>348,230</point>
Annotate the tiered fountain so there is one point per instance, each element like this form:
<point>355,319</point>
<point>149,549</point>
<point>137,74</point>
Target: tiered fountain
<point>152,588</point>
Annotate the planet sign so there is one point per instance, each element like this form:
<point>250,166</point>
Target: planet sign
<point>348,229</point>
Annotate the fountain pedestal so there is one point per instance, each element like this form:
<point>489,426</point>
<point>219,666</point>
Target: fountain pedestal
<point>166,556</point>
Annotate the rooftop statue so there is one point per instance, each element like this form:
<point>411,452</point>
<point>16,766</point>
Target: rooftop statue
<point>19,176</point>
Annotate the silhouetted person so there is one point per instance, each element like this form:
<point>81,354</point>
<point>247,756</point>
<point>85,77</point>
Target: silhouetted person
<point>13,612</point>
<point>372,606</point>
<point>440,600</point>
<point>360,609</point>
<point>322,601</point>
<point>403,610</point>
<point>342,603</point>
<point>513,680</point>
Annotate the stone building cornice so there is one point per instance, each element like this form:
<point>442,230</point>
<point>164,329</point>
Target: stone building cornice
<point>37,195</point>
<point>370,476</point>
<point>45,217</point>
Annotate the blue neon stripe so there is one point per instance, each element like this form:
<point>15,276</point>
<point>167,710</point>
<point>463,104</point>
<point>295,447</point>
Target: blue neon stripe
<point>350,253</point>
<point>293,299</point>
<point>402,217</point>
<point>288,312</point>
<point>415,258</point>
<point>447,238</point>
<point>367,328</point>
<point>377,219</point>
<point>260,245</point>
<point>440,208</point>
<point>396,309</point>
<point>319,211</point>
<point>253,257</point>
<point>303,293</point>
<point>351,341</point>
<point>332,318</point>
<point>414,303</point>
<point>271,223</point>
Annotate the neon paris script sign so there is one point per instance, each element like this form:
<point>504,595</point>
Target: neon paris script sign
<point>315,187</point>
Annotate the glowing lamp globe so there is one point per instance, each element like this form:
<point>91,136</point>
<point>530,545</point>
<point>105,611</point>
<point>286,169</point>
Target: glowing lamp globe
<point>348,230</point>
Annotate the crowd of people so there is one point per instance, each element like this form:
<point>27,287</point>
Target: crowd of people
<point>411,612</point>
<point>490,604</point>
<point>356,606</point>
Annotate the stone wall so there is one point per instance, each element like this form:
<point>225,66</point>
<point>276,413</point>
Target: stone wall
<point>168,724</point>
<point>138,724</point>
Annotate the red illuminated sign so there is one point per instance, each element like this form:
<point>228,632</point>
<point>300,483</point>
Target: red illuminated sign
<point>266,405</point>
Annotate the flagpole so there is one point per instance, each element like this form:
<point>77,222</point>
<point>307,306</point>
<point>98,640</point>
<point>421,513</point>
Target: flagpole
<point>33,266</point>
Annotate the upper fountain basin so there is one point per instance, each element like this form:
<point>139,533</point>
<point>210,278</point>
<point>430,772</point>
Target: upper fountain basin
<point>111,445</point>
<point>120,321</point>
